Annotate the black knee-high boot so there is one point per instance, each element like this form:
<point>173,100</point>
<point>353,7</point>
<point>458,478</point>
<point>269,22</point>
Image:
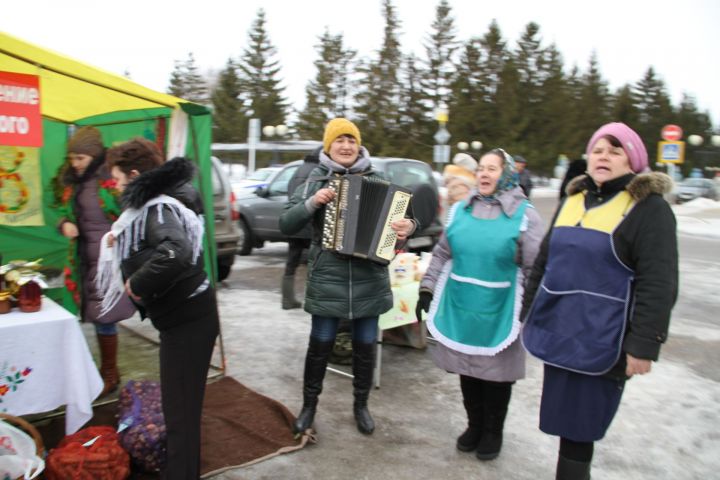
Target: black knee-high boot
<point>316,361</point>
<point>363,368</point>
<point>574,459</point>
<point>473,401</point>
<point>496,396</point>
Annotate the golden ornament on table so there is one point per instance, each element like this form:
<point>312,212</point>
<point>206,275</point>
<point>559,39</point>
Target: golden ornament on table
<point>23,283</point>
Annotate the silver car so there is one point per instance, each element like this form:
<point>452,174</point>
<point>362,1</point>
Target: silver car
<point>692,188</point>
<point>227,234</point>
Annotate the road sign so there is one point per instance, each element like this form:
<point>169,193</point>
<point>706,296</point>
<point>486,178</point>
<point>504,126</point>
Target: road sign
<point>442,135</point>
<point>441,153</point>
<point>671,152</point>
<point>671,133</point>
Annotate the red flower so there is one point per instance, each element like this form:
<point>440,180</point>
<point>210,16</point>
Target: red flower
<point>26,372</point>
<point>3,390</point>
<point>67,194</point>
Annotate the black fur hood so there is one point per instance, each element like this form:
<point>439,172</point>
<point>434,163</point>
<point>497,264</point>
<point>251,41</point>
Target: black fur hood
<point>640,187</point>
<point>169,179</point>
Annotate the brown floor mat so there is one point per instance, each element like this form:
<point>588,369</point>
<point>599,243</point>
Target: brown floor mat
<point>241,427</point>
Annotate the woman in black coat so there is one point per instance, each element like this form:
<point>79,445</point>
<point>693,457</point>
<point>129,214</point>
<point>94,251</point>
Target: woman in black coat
<point>157,245</point>
<point>601,292</point>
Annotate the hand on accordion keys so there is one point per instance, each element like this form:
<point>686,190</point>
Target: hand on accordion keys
<point>403,228</point>
<point>323,196</point>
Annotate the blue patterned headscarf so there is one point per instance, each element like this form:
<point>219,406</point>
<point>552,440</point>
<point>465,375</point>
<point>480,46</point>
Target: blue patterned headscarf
<point>509,177</point>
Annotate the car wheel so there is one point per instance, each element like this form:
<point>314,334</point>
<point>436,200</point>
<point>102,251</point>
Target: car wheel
<point>245,244</point>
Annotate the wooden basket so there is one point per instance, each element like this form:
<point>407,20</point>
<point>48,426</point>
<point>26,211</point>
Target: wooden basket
<point>28,428</point>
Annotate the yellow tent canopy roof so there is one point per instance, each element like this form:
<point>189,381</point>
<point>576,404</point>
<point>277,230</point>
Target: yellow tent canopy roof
<point>71,90</point>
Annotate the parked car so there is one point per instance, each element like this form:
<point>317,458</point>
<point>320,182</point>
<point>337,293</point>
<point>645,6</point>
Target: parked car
<point>227,234</point>
<point>259,178</point>
<point>692,188</point>
<point>259,214</point>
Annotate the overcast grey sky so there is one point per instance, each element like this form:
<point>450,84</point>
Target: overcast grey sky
<point>680,39</point>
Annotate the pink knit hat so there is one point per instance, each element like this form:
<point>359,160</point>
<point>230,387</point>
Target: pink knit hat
<point>630,141</point>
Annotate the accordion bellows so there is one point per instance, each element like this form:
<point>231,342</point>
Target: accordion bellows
<point>357,221</point>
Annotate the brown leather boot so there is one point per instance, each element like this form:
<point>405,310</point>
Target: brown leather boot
<point>108,366</point>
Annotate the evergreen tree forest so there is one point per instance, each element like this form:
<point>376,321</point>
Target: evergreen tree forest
<point>518,95</point>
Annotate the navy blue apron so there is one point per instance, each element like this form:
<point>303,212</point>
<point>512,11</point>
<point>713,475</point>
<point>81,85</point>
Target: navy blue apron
<point>577,320</point>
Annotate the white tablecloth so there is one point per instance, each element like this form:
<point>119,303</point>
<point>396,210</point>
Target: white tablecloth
<point>45,363</point>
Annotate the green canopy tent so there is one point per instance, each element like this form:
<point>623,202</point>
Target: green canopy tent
<point>75,94</point>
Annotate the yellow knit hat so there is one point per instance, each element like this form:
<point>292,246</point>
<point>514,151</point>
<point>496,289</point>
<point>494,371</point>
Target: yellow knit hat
<point>337,127</point>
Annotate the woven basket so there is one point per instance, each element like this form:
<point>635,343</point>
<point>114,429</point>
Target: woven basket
<point>28,428</point>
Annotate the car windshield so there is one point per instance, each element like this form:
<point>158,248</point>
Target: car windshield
<point>261,174</point>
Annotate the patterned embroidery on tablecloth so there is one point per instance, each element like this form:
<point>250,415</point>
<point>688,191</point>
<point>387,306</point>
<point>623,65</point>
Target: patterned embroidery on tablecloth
<point>10,379</point>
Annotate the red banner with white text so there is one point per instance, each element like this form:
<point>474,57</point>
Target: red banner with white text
<point>20,118</point>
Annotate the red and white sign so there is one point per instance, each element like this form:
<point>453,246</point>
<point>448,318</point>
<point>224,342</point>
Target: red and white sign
<point>671,133</point>
<point>20,118</point>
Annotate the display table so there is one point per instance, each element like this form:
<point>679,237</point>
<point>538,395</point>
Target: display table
<point>45,363</point>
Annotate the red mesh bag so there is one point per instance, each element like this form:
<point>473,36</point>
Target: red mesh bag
<point>104,459</point>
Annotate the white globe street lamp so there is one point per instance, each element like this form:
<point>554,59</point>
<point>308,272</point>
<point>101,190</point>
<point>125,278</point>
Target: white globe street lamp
<point>269,130</point>
<point>695,140</point>
<point>705,155</point>
<point>275,131</point>
<point>476,145</point>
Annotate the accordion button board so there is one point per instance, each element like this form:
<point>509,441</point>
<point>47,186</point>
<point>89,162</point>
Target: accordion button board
<point>358,220</point>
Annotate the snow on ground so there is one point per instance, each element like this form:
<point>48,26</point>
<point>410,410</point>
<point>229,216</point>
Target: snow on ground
<point>699,217</point>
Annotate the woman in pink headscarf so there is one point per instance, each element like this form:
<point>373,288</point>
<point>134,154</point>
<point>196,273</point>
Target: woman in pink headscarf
<point>599,297</point>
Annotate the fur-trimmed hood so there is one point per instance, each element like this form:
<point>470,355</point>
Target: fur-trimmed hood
<point>640,187</point>
<point>167,179</point>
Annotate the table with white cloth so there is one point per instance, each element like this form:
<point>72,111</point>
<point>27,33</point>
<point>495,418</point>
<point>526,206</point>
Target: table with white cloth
<point>45,363</point>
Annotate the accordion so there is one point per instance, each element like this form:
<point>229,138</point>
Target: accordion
<point>357,221</point>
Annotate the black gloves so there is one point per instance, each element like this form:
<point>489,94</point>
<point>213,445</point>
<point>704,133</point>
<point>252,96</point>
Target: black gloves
<point>423,303</point>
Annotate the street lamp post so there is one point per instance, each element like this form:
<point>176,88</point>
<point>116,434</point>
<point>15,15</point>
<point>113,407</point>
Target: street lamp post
<point>441,151</point>
<point>275,131</point>
<point>697,141</point>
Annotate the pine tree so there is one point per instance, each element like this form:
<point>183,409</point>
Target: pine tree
<point>229,121</point>
<point>623,106</point>
<point>529,58</point>
<point>187,83</point>
<point>473,99</point>
<point>510,120</point>
<point>328,95</point>
<point>692,121</point>
<point>379,95</point>
<point>415,117</point>
<point>440,48</point>
<point>654,107</point>
<point>591,107</point>
<point>262,95</point>
<point>550,138</point>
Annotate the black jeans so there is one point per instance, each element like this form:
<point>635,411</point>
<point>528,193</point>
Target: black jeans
<point>185,353</point>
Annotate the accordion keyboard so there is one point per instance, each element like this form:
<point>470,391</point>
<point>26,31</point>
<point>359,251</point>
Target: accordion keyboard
<point>398,206</point>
